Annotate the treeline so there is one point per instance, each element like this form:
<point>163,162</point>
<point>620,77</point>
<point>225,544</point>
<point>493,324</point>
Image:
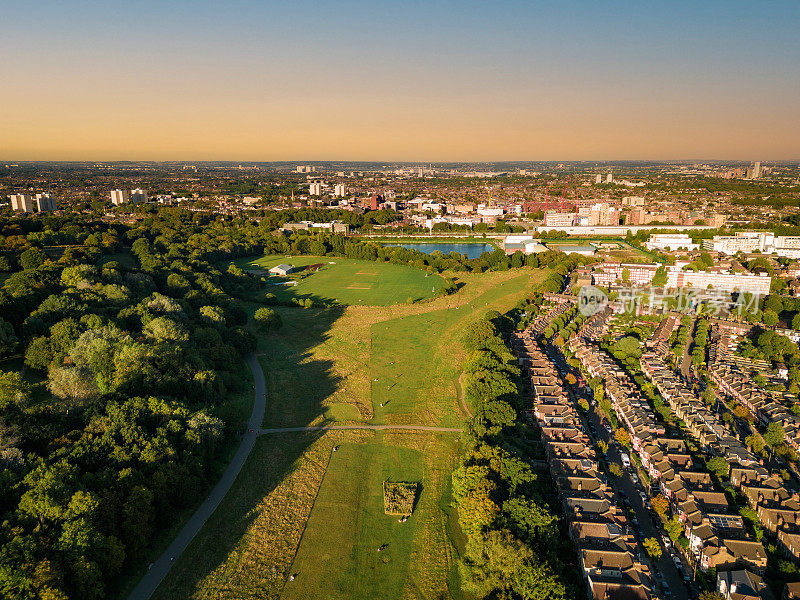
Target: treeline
<point>114,424</point>
<point>173,232</point>
<point>338,245</point>
<point>512,535</point>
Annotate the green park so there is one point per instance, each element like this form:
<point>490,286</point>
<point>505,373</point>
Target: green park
<point>305,518</point>
<point>346,280</point>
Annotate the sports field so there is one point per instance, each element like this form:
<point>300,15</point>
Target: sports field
<point>347,281</point>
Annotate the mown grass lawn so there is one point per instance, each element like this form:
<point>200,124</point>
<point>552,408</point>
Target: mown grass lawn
<point>347,281</point>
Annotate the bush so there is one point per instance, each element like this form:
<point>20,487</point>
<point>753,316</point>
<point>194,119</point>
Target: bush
<point>398,497</point>
<point>267,319</point>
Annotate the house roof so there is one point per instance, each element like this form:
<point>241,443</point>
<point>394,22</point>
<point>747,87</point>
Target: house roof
<point>282,267</point>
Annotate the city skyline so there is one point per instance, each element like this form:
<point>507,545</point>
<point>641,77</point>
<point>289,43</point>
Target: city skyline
<point>359,81</point>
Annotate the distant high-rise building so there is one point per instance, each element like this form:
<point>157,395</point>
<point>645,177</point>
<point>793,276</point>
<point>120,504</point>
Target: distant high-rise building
<point>599,178</point>
<point>609,178</point>
<point>120,197</point>
<point>757,170</point>
<point>45,203</point>
<point>22,203</point>
<point>339,190</point>
<point>138,195</point>
<point>306,169</point>
<point>315,188</point>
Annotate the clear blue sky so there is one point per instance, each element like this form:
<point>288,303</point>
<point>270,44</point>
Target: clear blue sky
<point>374,80</point>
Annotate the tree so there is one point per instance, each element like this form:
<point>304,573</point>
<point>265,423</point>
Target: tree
<point>774,436</point>
<point>213,314</point>
<point>32,258</point>
<point>13,389</point>
<point>755,442</point>
<point>674,528</point>
<point>770,318</point>
<point>623,437</point>
<point>660,277</point>
<point>69,383</point>
<point>479,334</point>
<point>718,465</point>
<point>532,519</point>
<point>267,319</point>
<point>8,341</point>
<point>498,564</point>
<point>741,412</point>
<point>164,329</point>
<point>707,595</point>
<point>660,505</point>
<point>64,334</point>
<point>615,470</point>
<point>477,511</point>
<point>652,547</point>
<point>603,446</point>
<point>39,353</point>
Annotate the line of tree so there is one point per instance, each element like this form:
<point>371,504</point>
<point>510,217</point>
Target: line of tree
<point>512,535</point>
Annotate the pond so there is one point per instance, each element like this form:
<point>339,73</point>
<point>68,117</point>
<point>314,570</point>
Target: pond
<point>469,250</point>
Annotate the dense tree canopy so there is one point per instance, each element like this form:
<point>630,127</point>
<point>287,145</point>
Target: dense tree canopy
<point>512,534</point>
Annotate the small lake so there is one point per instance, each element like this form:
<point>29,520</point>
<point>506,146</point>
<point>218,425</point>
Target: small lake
<point>469,250</point>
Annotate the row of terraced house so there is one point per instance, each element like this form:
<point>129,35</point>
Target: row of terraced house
<point>597,526</point>
<point>717,535</point>
<point>777,508</point>
<point>733,379</point>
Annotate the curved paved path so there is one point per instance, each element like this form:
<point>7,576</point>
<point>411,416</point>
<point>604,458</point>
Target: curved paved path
<point>163,564</point>
<point>159,569</point>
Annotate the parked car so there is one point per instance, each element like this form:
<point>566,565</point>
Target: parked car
<point>677,560</point>
<point>665,589</point>
<point>667,541</point>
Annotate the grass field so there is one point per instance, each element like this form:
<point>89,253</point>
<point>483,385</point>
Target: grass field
<point>322,366</point>
<point>416,380</point>
<point>286,514</point>
<point>348,281</point>
<point>338,555</point>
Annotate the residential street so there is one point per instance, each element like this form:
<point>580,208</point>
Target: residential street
<point>665,566</point>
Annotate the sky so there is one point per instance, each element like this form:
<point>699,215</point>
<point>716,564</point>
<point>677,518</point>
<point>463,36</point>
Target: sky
<point>416,81</point>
